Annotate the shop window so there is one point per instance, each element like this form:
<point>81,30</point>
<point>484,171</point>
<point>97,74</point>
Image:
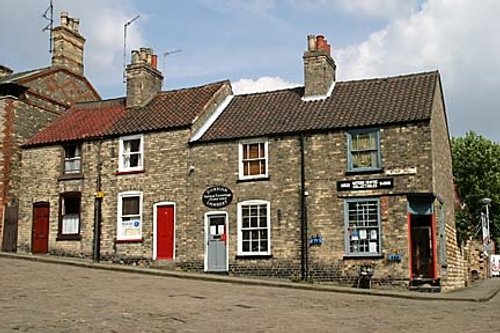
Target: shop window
<point>72,159</point>
<point>254,229</point>
<point>362,227</point>
<point>363,150</point>
<point>131,153</point>
<point>129,226</point>
<point>253,160</point>
<point>69,216</point>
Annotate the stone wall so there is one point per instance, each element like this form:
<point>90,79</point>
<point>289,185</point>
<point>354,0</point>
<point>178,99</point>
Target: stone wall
<point>453,270</point>
<point>163,179</point>
<point>326,163</point>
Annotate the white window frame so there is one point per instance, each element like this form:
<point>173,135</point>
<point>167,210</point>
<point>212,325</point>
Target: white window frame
<point>240,158</point>
<point>240,233</point>
<point>77,159</point>
<point>119,231</point>
<point>366,236</point>
<point>122,153</point>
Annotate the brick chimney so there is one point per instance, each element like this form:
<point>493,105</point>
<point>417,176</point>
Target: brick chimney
<point>68,45</point>
<point>144,80</point>
<point>319,67</point>
<point>5,71</point>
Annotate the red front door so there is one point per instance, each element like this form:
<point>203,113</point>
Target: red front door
<point>165,232</point>
<point>40,235</point>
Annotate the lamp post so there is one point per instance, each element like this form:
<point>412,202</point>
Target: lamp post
<point>486,202</point>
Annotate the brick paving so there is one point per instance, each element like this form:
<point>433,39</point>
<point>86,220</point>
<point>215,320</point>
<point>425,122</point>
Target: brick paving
<point>44,297</point>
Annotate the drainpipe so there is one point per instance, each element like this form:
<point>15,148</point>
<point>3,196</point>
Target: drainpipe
<point>98,195</point>
<point>304,262</point>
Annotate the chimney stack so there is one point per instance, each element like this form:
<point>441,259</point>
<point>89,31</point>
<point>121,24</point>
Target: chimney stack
<point>319,67</point>
<point>144,80</point>
<point>5,71</point>
<point>68,45</point>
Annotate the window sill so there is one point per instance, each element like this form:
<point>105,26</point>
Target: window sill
<point>69,238</point>
<point>132,172</point>
<point>362,256</point>
<point>70,176</point>
<point>253,256</point>
<point>125,241</point>
<point>256,179</point>
<point>364,172</point>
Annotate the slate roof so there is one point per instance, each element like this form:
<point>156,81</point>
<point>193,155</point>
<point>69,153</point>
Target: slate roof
<point>16,77</point>
<point>353,104</point>
<point>91,120</point>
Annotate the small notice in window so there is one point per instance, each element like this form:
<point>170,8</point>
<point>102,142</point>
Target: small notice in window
<point>373,247</point>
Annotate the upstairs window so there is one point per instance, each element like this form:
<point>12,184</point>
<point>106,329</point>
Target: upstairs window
<point>253,160</point>
<point>72,159</point>
<point>131,153</point>
<point>363,150</point>
<point>69,216</point>
<point>129,216</point>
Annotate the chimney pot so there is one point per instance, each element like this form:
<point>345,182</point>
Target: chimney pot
<point>311,42</point>
<point>64,18</point>
<point>154,61</point>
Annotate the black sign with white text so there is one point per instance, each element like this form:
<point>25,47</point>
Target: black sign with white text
<point>368,184</point>
<point>217,197</point>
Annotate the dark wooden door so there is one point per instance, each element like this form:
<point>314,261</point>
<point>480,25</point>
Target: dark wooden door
<point>40,236</point>
<point>9,243</point>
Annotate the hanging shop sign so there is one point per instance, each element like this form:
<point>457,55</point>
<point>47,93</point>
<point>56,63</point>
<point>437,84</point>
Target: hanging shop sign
<point>217,197</point>
<point>368,184</point>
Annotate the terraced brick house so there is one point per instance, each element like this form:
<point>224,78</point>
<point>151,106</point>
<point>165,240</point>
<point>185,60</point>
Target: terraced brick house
<point>314,182</point>
<point>29,100</point>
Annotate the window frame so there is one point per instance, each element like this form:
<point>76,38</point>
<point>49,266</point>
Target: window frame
<point>60,226</point>
<point>347,234</point>
<point>119,216</point>
<point>240,205</point>
<point>121,152</point>
<point>378,160</point>
<point>65,159</point>
<point>241,161</point>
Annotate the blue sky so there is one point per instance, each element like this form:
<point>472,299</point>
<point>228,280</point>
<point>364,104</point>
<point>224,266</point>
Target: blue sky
<point>258,44</point>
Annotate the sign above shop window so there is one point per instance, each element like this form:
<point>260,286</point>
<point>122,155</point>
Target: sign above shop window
<point>367,184</point>
<point>217,197</point>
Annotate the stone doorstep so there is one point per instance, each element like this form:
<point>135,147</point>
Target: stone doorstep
<point>168,265</point>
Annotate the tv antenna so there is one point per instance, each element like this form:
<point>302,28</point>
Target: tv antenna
<point>125,26</point>
<point>49,16</point>
<point>165,54</point>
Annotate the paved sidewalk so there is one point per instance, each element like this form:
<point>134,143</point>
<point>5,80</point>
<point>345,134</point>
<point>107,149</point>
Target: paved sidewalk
<point>480,291</point>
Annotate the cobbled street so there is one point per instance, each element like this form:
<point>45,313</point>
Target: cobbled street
<point>44,297</point>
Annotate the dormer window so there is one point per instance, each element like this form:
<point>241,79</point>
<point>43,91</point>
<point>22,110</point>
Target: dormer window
<point>72,159</point>
<point>131,153</point>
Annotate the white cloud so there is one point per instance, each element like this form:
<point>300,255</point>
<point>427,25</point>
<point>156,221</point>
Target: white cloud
<point>266,83</point>
<point>458,37</point>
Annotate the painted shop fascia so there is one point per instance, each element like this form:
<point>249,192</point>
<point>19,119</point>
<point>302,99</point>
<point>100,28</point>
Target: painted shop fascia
<point>314,190</point>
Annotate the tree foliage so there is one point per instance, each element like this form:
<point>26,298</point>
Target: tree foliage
<point>476,169</point>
